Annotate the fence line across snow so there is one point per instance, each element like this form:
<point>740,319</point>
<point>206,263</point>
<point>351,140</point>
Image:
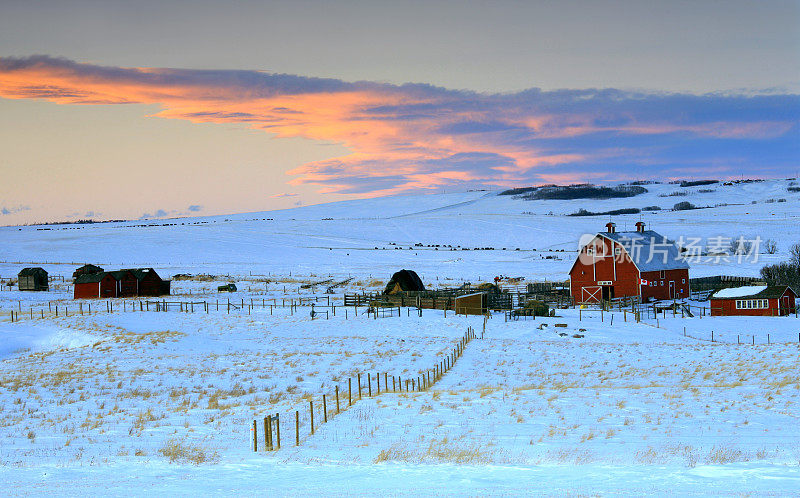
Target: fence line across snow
<point>333,403</point>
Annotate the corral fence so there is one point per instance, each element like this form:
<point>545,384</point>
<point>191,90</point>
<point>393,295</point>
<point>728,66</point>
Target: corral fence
<point>730,337</point>
<point>440,299</point>
<point>343,397</point>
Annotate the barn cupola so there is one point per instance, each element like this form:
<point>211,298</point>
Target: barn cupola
<point>640,226</point>
<point>611,227</point>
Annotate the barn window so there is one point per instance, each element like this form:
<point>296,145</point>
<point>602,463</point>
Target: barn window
<point>683,280</point>
<point>662,283</point>
<point>738,304</point>
<point>617,251</point>
<point>662,273</point>
<point>590,250</point>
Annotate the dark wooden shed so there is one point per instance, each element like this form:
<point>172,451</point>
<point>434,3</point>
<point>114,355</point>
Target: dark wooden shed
<point>86,270</point>
<point>33,279</point>
<point>127,283</point>
<point>148,282</point>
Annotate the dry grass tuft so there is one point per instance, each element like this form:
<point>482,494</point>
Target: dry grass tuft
<point>181,451</point>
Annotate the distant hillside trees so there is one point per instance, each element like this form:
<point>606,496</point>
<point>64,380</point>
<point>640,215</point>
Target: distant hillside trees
<point>570,192</point>
<point>684,206</point>
<point>698,183</point>
<point>613,212</point>
<point>786,273</point>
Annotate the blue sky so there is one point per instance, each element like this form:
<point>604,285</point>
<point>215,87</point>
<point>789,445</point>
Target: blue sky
<point>275,104</point>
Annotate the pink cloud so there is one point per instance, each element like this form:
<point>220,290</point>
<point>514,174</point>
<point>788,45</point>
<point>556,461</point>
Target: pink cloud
<point>412,137</point>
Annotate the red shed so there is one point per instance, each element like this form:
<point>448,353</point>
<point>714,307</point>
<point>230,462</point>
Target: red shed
<point>127,284</point>
<point>754,300</point>
<point>121,283</point>
<point>95,285</point>
<point>623,264</point>
<point>149,283</point>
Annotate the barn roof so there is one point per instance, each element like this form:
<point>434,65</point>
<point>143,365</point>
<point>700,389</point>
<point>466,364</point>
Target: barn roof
<point>753,291</point>
<point>649,250</point>
<point>140,273</point>
<point>88,278</point>
<point>28,272</point>
<point>118,274</point>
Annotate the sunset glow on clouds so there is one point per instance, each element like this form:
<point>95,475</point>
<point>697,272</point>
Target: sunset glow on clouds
<point>417,137</point>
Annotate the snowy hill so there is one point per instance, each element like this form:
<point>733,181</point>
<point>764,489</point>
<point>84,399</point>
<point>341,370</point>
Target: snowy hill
<point>362,236</point>
<point>108,396</point>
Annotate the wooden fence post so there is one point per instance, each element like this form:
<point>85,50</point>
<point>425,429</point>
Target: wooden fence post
<point>359,385</point>
<point>278,428</point>
<point>255,436</point>
<point>297,428</point>
<point>268,433</point>
<point>369,385</point>
<point>311,410</point>
<point>337,399</point>
<point>324,409</point>
<point>350,391</point>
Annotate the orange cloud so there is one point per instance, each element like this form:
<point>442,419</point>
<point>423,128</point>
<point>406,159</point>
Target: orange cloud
<point>412,137</point>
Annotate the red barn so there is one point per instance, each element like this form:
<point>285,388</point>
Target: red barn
<point>121,283</point>
<point>624,264</point>
<point>95,285</point>
<point>754,300</point>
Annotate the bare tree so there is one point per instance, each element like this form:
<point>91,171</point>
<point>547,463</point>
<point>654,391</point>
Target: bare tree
<point>794,256</point>
<point>770,246</point>
<point>741,246</point>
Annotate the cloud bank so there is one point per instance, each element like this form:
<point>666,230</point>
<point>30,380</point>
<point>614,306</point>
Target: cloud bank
<point>416,136</point>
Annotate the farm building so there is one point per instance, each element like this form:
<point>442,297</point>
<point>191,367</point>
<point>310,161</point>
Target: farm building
<point>135,282</point>
<point>754,300</point>
<point>148,283</point>
<point>642,264</point>
<point>471,304</point>
<point>85,270</point>
<point>33,279</point>
<point>95,285</point>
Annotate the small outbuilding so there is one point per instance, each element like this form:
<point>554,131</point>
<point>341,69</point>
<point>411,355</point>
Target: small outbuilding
<point>754,300</point>
<point>95,285</point>
<point>33,279</point>
<point>86,270</point>
<point>471,304</point>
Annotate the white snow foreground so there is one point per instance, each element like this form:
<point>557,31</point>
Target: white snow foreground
<point>164,402</point>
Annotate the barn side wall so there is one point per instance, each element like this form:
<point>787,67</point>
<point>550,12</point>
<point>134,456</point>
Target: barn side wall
<point>661,291</point>
<point>620,270</point>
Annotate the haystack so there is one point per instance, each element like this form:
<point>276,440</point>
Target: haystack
<point>489,287</point>
<point>404,280</point>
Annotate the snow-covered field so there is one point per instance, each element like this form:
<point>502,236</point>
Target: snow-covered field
<point>138,402</point>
